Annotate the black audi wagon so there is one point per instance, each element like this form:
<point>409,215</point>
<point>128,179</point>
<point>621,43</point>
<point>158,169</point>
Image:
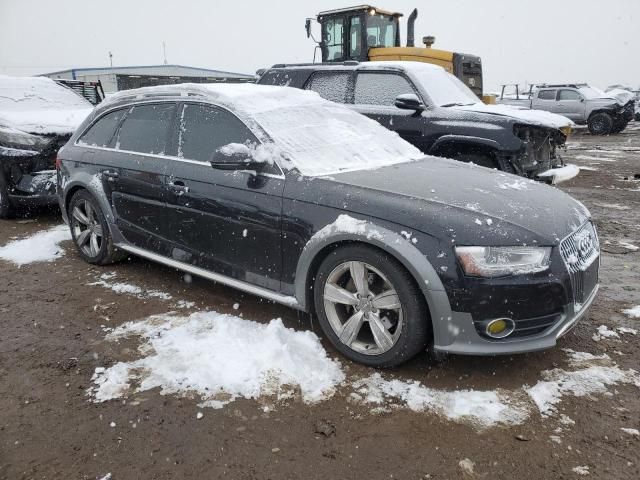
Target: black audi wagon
<point>279,193</point>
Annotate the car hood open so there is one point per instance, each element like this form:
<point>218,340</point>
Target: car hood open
<point>475,201</point>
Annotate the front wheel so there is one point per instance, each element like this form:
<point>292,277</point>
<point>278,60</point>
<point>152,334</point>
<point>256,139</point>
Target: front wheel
<point>600,124</point>
<point>90,231</point>
<point>369,307</point>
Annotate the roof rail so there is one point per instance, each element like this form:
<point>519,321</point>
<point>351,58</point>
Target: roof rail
<point>349,63</point>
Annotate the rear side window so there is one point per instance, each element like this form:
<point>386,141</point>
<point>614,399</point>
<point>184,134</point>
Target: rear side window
<point>569,95</point>
<point>203,129</point>
<point>101,132</point>
<point>380,88</point>
<point>547,94</point>
<point>146,129</point>
<point>331,86</point>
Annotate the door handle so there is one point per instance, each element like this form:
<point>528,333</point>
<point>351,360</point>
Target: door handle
<point>111,176</point>
<point>178,187</point>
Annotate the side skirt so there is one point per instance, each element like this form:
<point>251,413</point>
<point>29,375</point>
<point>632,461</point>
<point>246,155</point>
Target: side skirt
<point>216,277</point>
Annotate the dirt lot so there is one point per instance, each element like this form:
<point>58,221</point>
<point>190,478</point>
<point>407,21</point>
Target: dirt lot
<point>52,340</point>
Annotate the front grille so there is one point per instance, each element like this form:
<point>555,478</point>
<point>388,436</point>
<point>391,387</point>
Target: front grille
<point>580,252</point>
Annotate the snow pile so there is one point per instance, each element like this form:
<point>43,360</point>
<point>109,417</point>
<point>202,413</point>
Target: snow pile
<point>105,280</point>
<point>594,375</point>
<point>40,105</point>
<point>43,246</point>
<point>604,332</point>
<point>633,312</point>
<point>634,432</point>
<point>481,408</point>
<point>628,246</point>
<point>581,470</point>
<point>219,358</point>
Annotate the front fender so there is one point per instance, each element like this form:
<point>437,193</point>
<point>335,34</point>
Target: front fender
<point>394,244</point>
<point>446,140</point>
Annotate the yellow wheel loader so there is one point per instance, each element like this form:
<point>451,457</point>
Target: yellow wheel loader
<point>366,33</point>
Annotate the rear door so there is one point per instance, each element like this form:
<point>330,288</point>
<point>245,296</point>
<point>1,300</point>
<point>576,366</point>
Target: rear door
<point>224,221</point>
<point>571,104</point>
<point>143,145</point>
<point>544,100</point>
<point>374,95</point>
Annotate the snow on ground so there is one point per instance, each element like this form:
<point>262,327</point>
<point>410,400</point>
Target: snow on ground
<point>631,431</point>
<point>628,246</point>
<point>593,375</point>
<point>581,470</point>
<point>105,280</point>
<point>482,408</point>
<point>633,312</point>
<point>43,246</point>
<point>220,358</point>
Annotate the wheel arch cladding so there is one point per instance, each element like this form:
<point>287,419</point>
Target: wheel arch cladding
<point>91,184</point>
<point>416,263</point>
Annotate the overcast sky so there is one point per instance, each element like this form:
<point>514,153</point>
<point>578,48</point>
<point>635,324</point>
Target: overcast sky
<point>526,40</point>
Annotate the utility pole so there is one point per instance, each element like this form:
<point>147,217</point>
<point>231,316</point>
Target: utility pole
<point>110,59</point>
<point>164,52</point>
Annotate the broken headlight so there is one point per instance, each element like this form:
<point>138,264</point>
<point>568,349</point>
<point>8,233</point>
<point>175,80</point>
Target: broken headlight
<point>502,261</point>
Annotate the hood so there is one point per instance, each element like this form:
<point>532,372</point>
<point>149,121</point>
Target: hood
<point>521,115</point>
<point>45,121</point>
<point>476,204</point>
<point>622,96</point>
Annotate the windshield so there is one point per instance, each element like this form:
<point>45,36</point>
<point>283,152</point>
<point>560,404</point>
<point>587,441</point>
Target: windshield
<point>381,31</point>
<point>19,94</point>
<point>592,92</point>
<point>443,88</point>
<point>321,138</point>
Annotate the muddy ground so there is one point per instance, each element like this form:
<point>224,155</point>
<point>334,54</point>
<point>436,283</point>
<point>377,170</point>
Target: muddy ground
<point>51,341</point>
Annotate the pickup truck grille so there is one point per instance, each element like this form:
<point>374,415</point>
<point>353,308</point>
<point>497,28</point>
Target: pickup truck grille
<point>581,252</point>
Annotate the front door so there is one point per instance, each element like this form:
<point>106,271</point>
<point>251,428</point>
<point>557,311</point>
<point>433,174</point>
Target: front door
<point>570,104</point>
<point>374,95</point>
<point>224,221</point>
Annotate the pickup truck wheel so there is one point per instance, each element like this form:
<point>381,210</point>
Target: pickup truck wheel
<point>600,124</point>
<point>478,159</point>
<point>6,208</point>
<point>90,231</point>
<point>619,126</point>
<point>369,307</point>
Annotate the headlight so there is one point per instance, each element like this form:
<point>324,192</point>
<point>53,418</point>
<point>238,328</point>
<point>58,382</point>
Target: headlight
<point>501,261</point>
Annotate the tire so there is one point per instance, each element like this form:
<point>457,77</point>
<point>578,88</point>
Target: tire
<point>600,124</point>
<point>381,337</point>
<point>485,160</point>
<point>90,230</point>
<point>619,126</point>
<point>6,207</point>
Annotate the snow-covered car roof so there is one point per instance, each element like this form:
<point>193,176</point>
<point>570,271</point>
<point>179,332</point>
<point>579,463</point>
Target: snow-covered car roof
<point>316,136</point>
<point>39,105</point>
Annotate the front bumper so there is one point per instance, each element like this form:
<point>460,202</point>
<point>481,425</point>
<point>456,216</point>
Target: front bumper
<point>558,175</point>
<point>467,341</point>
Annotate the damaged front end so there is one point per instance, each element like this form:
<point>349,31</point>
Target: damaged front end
<point>539,156</point>
<point>27,167</point>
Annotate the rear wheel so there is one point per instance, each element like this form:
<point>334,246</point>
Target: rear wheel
<point>6,208</point>
<point>90,231</point>
<point>600,124</point>
<point>369,307</point>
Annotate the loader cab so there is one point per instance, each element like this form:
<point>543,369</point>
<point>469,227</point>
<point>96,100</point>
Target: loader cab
<point>349,33</point>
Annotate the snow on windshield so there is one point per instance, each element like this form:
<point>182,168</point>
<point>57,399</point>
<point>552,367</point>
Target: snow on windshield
<point>30,93</point>
<point>317,136</point>
<point>39,105</point>
<point>591,93</point>
<point>444,88</point>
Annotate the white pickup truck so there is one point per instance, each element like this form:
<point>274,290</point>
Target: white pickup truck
<point>585,105</point>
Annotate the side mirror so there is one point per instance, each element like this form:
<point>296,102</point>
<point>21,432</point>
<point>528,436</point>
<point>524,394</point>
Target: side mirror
<point>409,101</point>
<point>307,27</point>
<point>236,158</point>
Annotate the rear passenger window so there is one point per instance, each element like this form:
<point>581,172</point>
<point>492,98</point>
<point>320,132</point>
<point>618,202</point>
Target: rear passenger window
<point>547,94</point>
<point>101,132</point>
<point>204,129</point>
<point>380,88</point>
<point>331,86</point>
<point>146,129</point>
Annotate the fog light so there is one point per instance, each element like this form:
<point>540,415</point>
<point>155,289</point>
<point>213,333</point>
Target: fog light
<point>500,328</point>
